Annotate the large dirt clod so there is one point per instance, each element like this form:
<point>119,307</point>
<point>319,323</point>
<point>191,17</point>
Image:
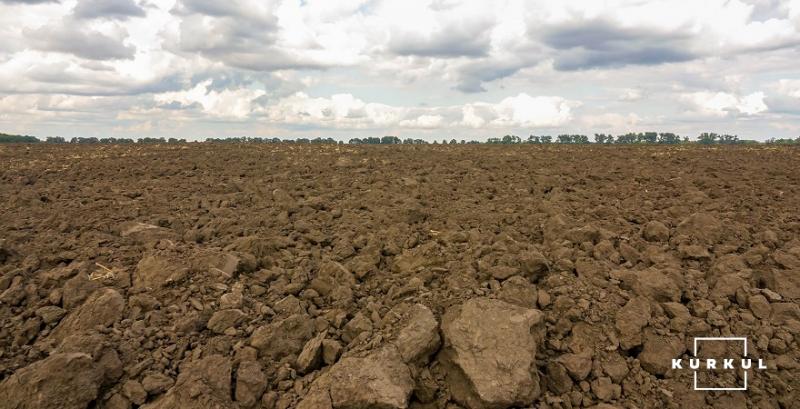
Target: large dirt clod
<point>60,381</point>
<point>489,353</point>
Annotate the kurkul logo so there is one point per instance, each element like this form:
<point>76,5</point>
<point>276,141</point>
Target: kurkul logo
<point>742,363</point>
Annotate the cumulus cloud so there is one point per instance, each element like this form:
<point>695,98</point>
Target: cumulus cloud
<point>525,110</point>
<point>344,111</point>
<point>283,66</point>
<point>71,38</point>
<point>245,34</point>
<point>723,104</point>
<point>612,121</point>
<point>110,9</point>
<point>233,103</point>
<point>29,1</point>
<point>631,94</point>
<point>789,87</point>
<point>599,44</point>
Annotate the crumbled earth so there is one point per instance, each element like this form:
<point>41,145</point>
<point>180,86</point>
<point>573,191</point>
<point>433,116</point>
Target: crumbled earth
<point>423,277</point>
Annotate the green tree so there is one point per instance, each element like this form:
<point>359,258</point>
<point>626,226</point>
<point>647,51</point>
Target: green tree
<point>6,138</point>
<point>599,138</point>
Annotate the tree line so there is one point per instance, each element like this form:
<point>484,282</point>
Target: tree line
<point>667,138</point>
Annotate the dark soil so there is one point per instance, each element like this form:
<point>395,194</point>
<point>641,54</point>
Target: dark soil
<point>282,276</point>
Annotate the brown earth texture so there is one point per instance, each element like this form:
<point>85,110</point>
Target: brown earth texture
<point>391,277</point>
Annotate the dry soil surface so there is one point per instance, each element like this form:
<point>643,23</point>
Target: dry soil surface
<point>342,277</point>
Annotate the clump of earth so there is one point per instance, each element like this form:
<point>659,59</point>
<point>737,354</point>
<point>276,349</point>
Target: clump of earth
<point>432,277</point>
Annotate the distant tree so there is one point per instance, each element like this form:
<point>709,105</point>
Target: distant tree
<point>534,139</point>
<point>668,138</point>
<point>783,141</point>
<point>647,137</point>
<point>582,139</point>
<point>82,140</point>
<point>6,138</point>
<point>627,138</point>
<point>599,138</point>
<point>547,139</point>
<point>511,139</point>
<point>706,138</point>
<point>564,138</point>
<point>55,139</point>
<point>390,140</point>
<point>148,140</point>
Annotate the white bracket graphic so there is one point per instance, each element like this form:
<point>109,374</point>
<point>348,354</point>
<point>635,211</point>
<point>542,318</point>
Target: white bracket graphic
<point>743,340</point>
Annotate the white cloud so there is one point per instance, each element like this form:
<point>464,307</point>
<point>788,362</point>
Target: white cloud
<point>343,111</point>
<point>789,87</point>
<point>631,94</point>
<point>612,121</point>
<point>722,104</point>
<point>525,110</point>
<point>285,66</point>
<point>233,103</point>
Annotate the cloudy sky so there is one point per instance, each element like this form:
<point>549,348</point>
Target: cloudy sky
<point>429,69</point>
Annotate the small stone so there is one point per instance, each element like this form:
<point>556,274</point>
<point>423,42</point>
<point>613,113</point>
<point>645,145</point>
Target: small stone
<point>518,290</point>
<point>331,350</point>
<point>232,300</point>
<point>380,380</point>
<point>578,365</point>
<point>117,401</point>
<point>134,391</point>
<point>759,306</point>
<point>543,298</point>
<point>284,337</point>
<point>694,252</point>
<point>658,352</point>
<point>250,383</point>
<point>155,272</point>
<point>156,383</point>
<point>222,320</point>
<point>777,346</point>
<point>288,306</point>
<point>727,285</point>
<point>605,389</point>
<point>77,289</point>
<point>28,331</point>
<point>356,326</point>
<point>204,382</point>
<point>558,380</point>
<point>655,231</point>
<point>534,265</point>
<point>630,320</point>
<point>700,308</point>
<point>310,357</point>
<point>503,272</point>
<point>657,286</point>
<point>616,367</point>
<point>419,338</point>
<point>103,308</point>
